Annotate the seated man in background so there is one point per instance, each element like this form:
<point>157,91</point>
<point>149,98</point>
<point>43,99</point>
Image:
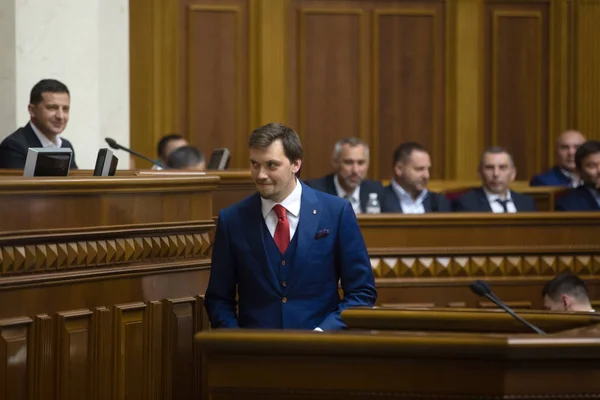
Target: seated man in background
<point>564,173</point>
<point>497,171</point>
<point>166,145</point>
<point>351,164</point>
<point>407,193</point>
<point>49,105</point>
<point>587,196</point>
<point>186,157</point>
<point>566,292</point>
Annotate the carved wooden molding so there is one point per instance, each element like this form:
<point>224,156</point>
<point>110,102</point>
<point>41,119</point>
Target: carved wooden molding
<point>61,250</point>
<point>498,265</point>
<point>297,394</point>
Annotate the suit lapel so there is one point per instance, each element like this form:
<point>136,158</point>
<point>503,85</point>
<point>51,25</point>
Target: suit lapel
<point>254,234</point>
<point>30,137</point>
<point>310,213</point>
<point>329,185</point>
<point>516,199</point>
<point>483,201</point>
<point>427,203</point>
<point>391,199</point>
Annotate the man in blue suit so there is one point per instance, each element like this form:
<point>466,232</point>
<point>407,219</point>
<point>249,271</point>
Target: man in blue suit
<point>284,249</point>
<point>564,173</point>
<point>587,196</point>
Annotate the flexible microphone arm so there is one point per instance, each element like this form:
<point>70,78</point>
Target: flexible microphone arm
<point>113,144</point>
<point>481,288</point>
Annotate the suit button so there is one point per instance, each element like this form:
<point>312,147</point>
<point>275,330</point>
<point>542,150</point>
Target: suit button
<point>284,300</point>
<point>284,284</point>
<point>283,262</point>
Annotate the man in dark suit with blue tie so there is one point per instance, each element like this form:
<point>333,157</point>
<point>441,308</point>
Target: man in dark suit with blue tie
<point>284,250</point>
<point>497,171</point>
<point>564,173</point>
<point>351,163</point>
<point>587,196</point>
<point>407,193</point>
<point>49,106</point>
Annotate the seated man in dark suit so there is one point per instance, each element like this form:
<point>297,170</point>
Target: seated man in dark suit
<point>351,164</point>
<point>186,157</point>
<point>407,193</point>
<point>166,145</point>
<point>49,105</point>
<point>566,292</point>
<point>497,170</point>
<point>564,173</point>
<point>587,196</point>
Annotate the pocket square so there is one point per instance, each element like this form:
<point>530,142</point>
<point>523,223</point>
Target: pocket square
<point>322,233</point>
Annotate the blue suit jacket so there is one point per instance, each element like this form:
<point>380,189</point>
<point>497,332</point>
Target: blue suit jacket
<point>433,202</point>
<point>326,185</point>
<point>476,201</point>
<point>330,248</point>
<point>552,177</point>
<point>577,199</point>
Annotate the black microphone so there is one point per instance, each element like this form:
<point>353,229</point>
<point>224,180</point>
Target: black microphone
<point>113,144</point>
<point>482,289</point>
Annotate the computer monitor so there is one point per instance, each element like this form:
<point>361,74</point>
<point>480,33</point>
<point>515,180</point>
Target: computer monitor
<point>106,163</point>
<point>219,159</point>
<point>49,161</point>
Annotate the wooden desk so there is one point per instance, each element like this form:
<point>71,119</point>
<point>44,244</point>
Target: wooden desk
<point>77,202</point>
<point>270,365</point>
<point>428,260</point>
<point>463,320</point>
<point>234,185</point>
<point>101,286</point>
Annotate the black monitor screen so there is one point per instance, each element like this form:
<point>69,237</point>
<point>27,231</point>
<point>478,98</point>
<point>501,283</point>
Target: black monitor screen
<point>101,168</point>
<point>52,164</point>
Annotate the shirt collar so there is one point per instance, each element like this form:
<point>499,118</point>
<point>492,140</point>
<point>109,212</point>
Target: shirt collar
<point>290,203</point>
<point>491,197</point>
<point>43,139</point>
<point>575,179</point>
<point>404,194</point>
<point>342,193</point>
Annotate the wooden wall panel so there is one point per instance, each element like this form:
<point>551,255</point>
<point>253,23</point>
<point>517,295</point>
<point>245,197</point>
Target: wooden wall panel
<point>586,54</point>
<point>517,81</point>
<point>370,69</point>
<point>15,358</point>
<point>215,58</point>
<point>409,70</point>
<point>327,58</point>
<point>74,354</point>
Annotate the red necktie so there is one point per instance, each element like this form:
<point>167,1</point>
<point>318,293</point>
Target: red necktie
<point>282,231</point>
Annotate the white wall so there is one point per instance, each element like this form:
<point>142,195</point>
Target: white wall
<point>84,44</point>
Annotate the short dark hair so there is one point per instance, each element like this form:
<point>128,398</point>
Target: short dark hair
<point>262,137</point>
<point>586,149</point>
<point>162,143</point>
<point>566,283</point>
<point>403,152</point>
<point>496,150</point>
<point>350,141</point>
<point>185,156</point>
<point>46,86</point>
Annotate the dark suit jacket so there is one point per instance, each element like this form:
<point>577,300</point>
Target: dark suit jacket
<point>14,148</point>
<point>330,247</point>
<point>552,177</point>
<point>577,199</point>
<point>476,201</point>
<point>326,185</point>
<point>433,202</point>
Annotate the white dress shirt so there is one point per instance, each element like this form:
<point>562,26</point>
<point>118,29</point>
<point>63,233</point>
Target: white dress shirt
<point>353,198</point>
<point>408,205</point>
<point>493,198</point>
<point>291,205</point>
<point>44,140</point>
